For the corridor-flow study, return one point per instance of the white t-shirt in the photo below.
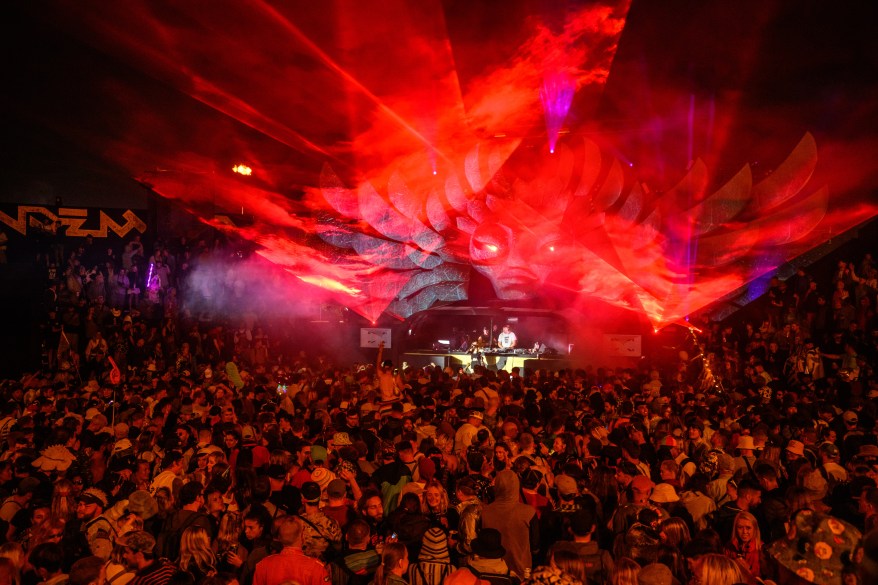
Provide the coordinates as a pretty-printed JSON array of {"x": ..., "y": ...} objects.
[{"x": 506, "y": 340}]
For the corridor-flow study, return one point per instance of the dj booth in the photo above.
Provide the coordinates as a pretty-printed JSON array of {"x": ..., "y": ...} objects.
[{"x": 462, "y": 359}]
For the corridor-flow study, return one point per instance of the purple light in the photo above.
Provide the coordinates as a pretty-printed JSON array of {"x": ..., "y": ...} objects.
[{"x": 556, "y": 96}]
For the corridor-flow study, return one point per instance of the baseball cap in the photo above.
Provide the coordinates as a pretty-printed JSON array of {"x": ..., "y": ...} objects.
[
  {"x": 850, "y": 417},
  {"x": 318, "y": 453},
  {"x": 337, "y": 488},
  {"x": 248, "y": 434},
  {"x": 566, "y": 485},
  {"x": 830, "y": 450},
  {"x": 668, "y": 441}
]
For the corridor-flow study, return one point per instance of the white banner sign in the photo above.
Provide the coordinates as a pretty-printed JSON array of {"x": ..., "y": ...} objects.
[
  {"x": 373, "y": 336},
  {"x": 622, "y": 345}
]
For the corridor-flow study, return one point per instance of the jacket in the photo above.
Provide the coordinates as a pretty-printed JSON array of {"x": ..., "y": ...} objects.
[{"x": 517, "y": 522}]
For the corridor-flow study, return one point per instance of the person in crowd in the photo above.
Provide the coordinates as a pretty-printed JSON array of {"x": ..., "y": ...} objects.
[
  {"x": 433, "y": 563},
  {"x": 139, "y": 556},
  {"x": 291, "y": 564},
  {"x": 394, "y": 565},
  {"x": 47, "y": 559},
  {"x": 517, "y": 522},
  {"x": 360, "y": 560}
]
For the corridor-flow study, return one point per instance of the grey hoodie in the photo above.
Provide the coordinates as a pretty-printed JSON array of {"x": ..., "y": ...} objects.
[{"x": 516, "y": 522}]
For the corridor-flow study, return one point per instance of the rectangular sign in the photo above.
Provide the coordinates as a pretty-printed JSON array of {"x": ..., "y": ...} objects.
[
  {"x": 373, "y": 336},
  {"x": 618, "y": 344}
]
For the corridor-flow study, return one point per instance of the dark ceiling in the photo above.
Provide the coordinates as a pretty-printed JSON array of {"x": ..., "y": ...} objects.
[{"x": 96, "y": 89}]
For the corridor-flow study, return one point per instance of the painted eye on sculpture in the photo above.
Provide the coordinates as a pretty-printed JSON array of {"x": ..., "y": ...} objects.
[
  {"x": 551, "y": 251},
  {"x": 489, "y": 244}
]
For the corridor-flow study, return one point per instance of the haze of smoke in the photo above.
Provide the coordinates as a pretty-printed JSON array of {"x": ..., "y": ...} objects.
[{"x": 234, "y": 286}]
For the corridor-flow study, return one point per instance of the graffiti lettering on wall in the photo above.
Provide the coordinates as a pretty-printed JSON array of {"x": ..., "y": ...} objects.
[{"x": 78, "y": 221}]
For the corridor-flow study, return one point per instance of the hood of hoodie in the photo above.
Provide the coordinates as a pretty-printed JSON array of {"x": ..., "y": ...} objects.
[{"x": 506, "y": 486}]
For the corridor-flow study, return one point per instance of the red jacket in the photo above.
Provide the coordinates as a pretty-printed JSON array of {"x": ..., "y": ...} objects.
[{"x": 290, "y": 564}]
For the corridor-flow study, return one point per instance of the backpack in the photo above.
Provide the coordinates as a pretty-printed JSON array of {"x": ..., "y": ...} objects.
[
  {"x": 417, "y": 575},
  {"x": 390, "y": 493},
  {"x": 341, "y": 574},
  {"x": 595, "y": 570},
  {"x": 171, "y": 545},
  {"x": 496, "y": 578}
]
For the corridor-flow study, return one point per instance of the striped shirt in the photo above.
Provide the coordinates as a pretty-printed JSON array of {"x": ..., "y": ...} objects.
[{"x": 159, "y": 572}]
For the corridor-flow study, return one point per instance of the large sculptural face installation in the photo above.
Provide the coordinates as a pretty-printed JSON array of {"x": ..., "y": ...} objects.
[{"x": 398, "y": 149}]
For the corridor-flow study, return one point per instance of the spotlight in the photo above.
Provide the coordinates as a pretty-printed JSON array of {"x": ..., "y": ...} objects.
[
  {"x": 551, "y": 151},
  {"x": 242, "y": 170}
]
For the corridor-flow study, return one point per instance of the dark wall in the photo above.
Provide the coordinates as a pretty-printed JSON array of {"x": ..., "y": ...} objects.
[{"x": 21, "y": 313}]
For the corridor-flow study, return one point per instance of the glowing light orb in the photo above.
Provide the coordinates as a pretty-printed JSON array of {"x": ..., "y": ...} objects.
[{"x": 242, "y": 170}]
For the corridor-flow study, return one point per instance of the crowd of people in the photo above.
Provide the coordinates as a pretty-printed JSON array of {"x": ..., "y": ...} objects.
[{"x": 158, "y": 446}]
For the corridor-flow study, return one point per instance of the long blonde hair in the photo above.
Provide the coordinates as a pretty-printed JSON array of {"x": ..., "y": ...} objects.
[
  {"x": 195, "y": 551},
  {"x": 393, "y": 553},
  {"x": 8, "y": 570},
  {"x": 569, "y": 562},
  {"x": 757, "y": 537},
  {"x": 443, "y": 498},
  {"x": 62, "y": 500},
  {"x": 14, "y": 553},
  {"x": 229, "y": 529},
  {"x": 721, "y": 570},
  {"x": 625, "y": 572}
]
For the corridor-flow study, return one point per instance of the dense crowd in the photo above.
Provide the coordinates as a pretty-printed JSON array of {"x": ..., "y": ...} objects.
[{"x": 161, "y": 446}]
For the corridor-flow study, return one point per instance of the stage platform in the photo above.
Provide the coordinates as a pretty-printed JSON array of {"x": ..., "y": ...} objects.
[{"x": 455, "y": 360}]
